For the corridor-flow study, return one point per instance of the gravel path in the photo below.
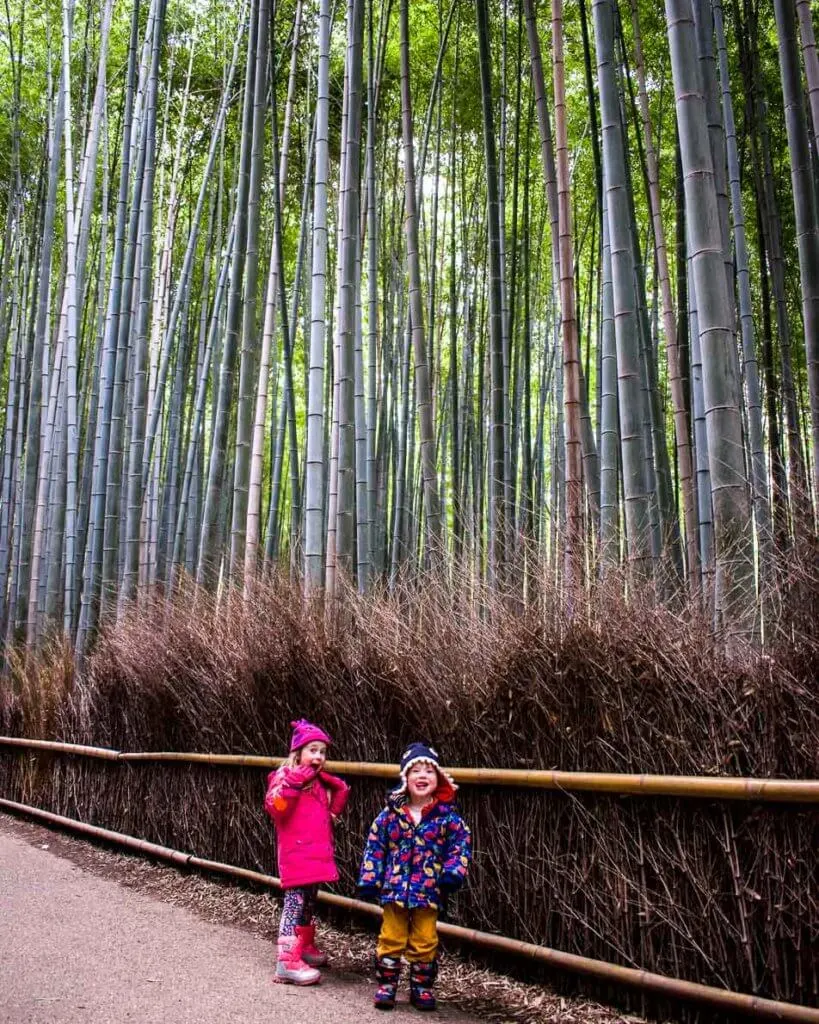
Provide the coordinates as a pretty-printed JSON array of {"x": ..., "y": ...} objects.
[{"x": 76, "y": 948}]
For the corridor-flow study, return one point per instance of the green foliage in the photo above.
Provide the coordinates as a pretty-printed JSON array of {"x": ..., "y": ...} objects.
[{"x": 445, "y": 84}]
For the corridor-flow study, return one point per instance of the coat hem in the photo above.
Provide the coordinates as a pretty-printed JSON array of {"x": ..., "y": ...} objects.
[{"x": 301, "y": 882}]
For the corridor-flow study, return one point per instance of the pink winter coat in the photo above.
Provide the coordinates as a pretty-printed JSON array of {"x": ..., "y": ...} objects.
[{"x": 301, "y": 804}]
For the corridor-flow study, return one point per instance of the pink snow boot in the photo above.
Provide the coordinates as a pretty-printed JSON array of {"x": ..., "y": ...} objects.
[
  {"x": 310, "y": 954},
  {"x": 290, "y": 968}
]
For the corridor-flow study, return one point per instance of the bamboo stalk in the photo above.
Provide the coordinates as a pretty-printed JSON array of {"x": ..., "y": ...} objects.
[
  {"x": 66, "y": 748},
  {"x": 647, "y": 981},
  {"x": 616, "y": 783},
  {"x": 230, "y": 760}
]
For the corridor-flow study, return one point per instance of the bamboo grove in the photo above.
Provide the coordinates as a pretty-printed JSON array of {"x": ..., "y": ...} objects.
[{"x": 370, "y": 290}]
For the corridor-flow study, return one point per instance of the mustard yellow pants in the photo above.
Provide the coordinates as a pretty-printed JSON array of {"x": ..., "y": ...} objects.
[{"x": 409, "y": 933}]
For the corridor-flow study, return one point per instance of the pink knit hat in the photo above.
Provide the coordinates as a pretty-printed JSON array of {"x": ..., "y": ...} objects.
[{"x": 305, "y": 732}]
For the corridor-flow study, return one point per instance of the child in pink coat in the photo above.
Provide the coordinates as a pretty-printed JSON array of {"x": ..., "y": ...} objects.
[{"x": 303, "y": 800}]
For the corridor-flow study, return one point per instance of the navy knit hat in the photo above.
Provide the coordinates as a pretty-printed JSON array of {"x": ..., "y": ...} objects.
[{"x": 415, "y": 754}]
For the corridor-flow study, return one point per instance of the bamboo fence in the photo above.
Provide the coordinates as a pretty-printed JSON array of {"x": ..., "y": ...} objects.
[{"x": 647, "y": 981}]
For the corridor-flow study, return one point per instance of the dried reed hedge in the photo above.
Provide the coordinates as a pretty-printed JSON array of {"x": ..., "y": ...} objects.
[{"x": 720, "y": 893}]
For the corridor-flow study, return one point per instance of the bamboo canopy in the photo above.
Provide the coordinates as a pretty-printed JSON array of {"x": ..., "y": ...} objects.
[
  {"x": 648, "y": 981},
  {"x": 701, "y": 787}
]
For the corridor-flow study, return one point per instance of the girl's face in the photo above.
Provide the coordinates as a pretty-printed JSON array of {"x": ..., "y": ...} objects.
[
  {"x": 314, "y": 755},
  {"x": 422, "y": 781}
]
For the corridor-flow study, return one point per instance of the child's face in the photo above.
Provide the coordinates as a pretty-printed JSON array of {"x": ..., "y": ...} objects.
[
  {"x": 314, "y": 755},
  {"x": 422, "y": 780}
]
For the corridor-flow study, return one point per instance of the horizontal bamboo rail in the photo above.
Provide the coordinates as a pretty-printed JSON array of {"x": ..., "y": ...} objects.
[
  {"x": 703, "y": 787},
  {"x": 647, "y": 981},
  {"x": 61, "y": 748}
]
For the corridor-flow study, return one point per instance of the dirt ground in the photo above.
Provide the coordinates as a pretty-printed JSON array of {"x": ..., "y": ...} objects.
[{"x": 90, "y": 935}]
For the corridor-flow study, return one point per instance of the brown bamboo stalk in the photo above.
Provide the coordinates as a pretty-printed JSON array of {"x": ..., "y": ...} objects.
[
  {"x": 647, "y": 981},
  {"x": 703, "y": 787},
  {"x": 573, "y": 552},
  {"x": 66, "y": 748},
  {"x": 231, "y": 760}
]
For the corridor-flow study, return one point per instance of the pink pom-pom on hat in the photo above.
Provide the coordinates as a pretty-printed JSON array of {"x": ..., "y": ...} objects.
[{"x": 305, "y": 732}]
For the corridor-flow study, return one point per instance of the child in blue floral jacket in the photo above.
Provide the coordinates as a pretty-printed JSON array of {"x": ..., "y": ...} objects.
[{"x": 417, "y": 852}]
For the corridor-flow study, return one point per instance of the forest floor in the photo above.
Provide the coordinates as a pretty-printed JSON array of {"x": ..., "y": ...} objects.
[{"x": 94, "y": 936}]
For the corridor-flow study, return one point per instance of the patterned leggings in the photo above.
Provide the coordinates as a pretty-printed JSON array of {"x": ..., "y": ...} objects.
[{"x": 299, "y": 906}]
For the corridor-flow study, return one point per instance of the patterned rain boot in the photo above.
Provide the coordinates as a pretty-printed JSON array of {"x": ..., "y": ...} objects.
[
  {"x": 387, "y": 971},
  {"x": 422, "y": 978},
  {"x": 310, "y": 954},
  {"x": 290, "y": 968}
]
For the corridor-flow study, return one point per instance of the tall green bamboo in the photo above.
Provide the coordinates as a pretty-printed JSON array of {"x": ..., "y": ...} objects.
[
  {"x": 681, "y": 424},
  {"x": 631, "y": 395},
  {"x": 247, "y": 362},
  {"x": 609, "y": 432},
  {"x": 451, "y": 415},
  {"x": 759, "y": 474},
  {"x": 573, "y": 555},
  {"x": 804, "y": 203},
  {"x": 39, "y": 369},
  {"x": 72, "y": 427},
  {"x": 423, "y": 390},
  {"x": 734, "y": 583},
  {"x": 811, "y": 59},
  {"x": 498, "y": 513},
  {"x": 91, "y": 588},
  {"x": 314, "y": 482},
  {"x": 140, "y": 357},
  {"x": 345, "y": 510},
  {"x": 209, "y": 542}
]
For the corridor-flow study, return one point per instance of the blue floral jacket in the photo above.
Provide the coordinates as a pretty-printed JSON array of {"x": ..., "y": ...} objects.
[{"x": 408, "y": 864}]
